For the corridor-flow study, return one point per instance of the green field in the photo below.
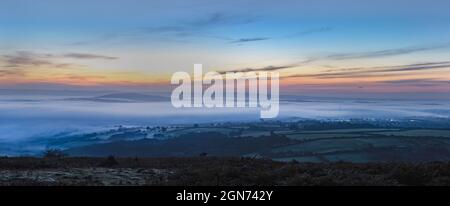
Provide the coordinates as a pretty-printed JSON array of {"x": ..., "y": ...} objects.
[
  {"x": 365, "y": 145},
  {"x": 417, "y": 133}
]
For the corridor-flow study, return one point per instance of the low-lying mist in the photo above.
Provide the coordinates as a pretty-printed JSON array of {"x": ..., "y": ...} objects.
[{"x": 26, "y": 118}]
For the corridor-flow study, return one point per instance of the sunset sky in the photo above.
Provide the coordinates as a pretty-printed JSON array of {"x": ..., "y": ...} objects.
[{"x": 316, "y": 45}]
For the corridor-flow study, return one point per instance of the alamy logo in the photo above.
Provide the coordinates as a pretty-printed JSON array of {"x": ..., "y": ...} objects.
[{"x": 241, "y": 89}]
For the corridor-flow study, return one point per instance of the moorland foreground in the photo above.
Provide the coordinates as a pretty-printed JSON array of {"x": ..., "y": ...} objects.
[{"x": 223, "y": 171}]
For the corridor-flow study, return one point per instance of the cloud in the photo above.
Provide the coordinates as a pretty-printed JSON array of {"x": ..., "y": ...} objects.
[
  {"x": 18, "y": 63},
  {"x": 88, "y": 56},
  {"x": 416, "y": 67},
  {"x": 294, "y": 35},
  {"x": 11, "y": 72},
  {"x": 424, "y": 82},
  {"x": 244, "y": 40},
  {"x": 198, "y": 27},
  {"x": 307, "y": 32},
  {"x": 27, "y": 58},
  {"x": 268, "y": 68},
  {"x": 374, "y": 71},
  {"x": 164, "y": 29},
  {"x": 101, "y": 38},
  {"x": 385, "y": 53},
  {"x": 358, "y": 71},
  {"x": 416, "y": 81},
  {"x": 218, "y": 18},
  {"x": 85, "y": 78}
]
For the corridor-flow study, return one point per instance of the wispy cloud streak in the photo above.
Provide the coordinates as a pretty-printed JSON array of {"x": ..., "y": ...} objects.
[
  {"x": 27, "y": 58},
  {"x": 385, "y": 53},
  {"x": 244, "y": 40},
  {"x": 268, "y": 68},
  {"x": 371, "y": 71},
  {"x": 294, "y": 35},
  {"x": 13, "y": 64},
  {"x": 88, "y": 56}
]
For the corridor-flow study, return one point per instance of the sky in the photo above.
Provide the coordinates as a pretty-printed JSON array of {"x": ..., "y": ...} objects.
[{"x": 318, "y": 46}]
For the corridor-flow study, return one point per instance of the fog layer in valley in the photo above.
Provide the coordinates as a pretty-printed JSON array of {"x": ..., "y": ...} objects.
[{"x": 26, "y": 117}]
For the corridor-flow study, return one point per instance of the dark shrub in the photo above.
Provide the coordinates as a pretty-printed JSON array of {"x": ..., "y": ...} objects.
[
  {"x": 109, "y": 162},
  {"x": 411, "y": 175},
  {"x": 54, "y": 153}
]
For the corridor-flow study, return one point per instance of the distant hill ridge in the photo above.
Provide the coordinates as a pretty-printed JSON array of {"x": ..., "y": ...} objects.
[
  {"x": 124, "y": 97},
  {"x": 133, "y": 96}
]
